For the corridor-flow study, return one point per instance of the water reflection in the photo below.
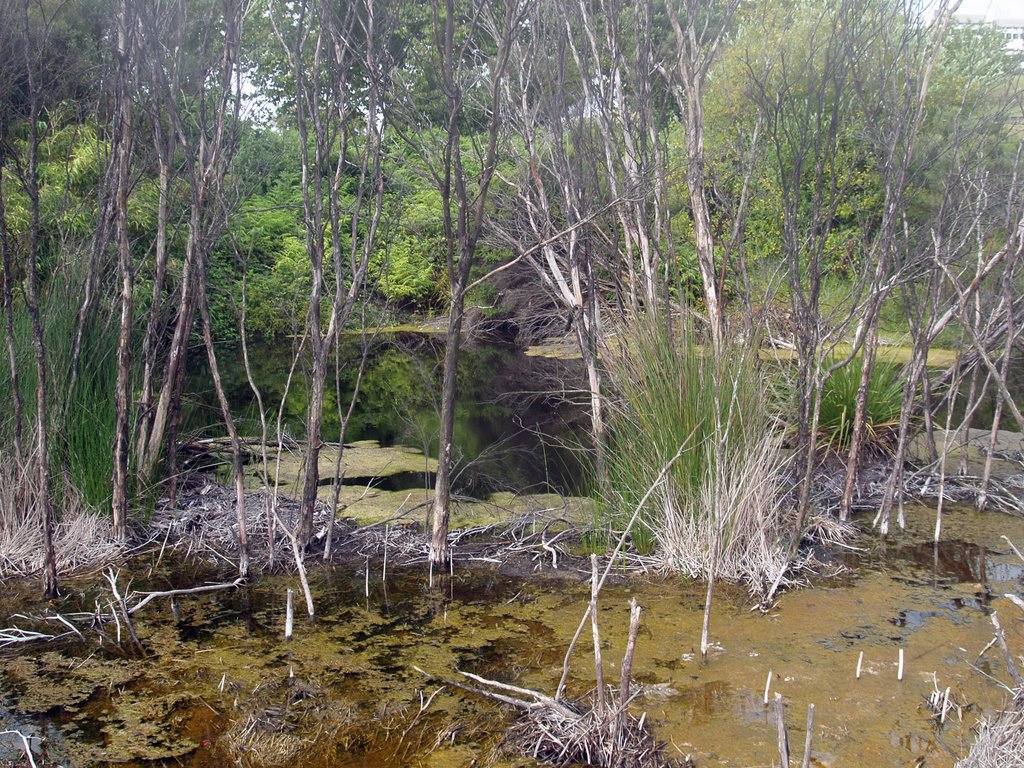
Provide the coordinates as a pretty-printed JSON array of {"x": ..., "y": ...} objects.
[{"x": 511, "y": 433}]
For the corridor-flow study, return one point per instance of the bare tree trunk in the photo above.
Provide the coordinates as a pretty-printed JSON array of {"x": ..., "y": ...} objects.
[
  {"x": 8, "y": 299},
  {"x": 122, "y": 148},
  {"x": 440, "y": 509},
  {"x": 703, "y": 242},
  {"x": 697, "y": 39},
  {"x": 207, "y": 142},
  {"x": 965, "y": 435},
  {"x": 164, "y": 144},
  {"x": 926, "y": 408},
  {"x": 237, "y": 459},
  {"x": 859, "y": 418},
  {"x": 174, "y": 369},
  {"x": 462, "y": 234},
  {"x": 1004, "y": 371},
  {"x": 268, "y": 509}
]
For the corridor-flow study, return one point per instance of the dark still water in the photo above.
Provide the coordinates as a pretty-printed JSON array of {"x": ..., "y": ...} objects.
[{"x": 516, "y": 427}]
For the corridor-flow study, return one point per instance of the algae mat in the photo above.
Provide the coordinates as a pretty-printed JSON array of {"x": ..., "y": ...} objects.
[{"x": 220, "y": 686}]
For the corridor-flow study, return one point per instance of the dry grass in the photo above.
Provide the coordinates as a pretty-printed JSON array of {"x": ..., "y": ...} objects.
[
  {"x": 82, "y": 538},
  {"x": 741, "y": 533},
  {"x": 1000, "y": 742}
]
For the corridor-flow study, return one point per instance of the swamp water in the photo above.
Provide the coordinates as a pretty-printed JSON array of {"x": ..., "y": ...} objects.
[
  {"x": 514, "y": 419},
  {"x": 219, "y": 685}
]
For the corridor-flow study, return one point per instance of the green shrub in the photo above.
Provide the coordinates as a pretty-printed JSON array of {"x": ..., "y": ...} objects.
[{"x": 839, "y": 404}]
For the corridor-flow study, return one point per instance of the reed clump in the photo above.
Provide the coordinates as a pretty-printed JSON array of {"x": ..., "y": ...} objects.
[
  {"x": 721, "y": 513},
  {"x": 839, "y": 404},
  {"x": 82, "y": 537},
  {"x": 80, "y": 421},
  {"x": 80, "y": 407}
]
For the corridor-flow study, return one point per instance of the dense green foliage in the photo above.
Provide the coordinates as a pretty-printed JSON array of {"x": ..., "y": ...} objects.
[{"x": 839, "y": 398}]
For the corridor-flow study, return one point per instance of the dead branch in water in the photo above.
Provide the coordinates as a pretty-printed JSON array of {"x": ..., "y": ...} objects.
[
  {"x": 122, "y": 607},
  {"x": 566, "y": 734},
  {"x": 563, "y": 733},
  {"x": 146, "y": 597}
]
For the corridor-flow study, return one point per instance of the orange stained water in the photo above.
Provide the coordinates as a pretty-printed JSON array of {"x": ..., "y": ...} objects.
[{"x": 361, "y": 696}]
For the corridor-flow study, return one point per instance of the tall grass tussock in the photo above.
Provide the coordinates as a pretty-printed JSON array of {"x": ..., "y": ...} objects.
[
  {"x": 839, "y": 404},
  {"x": 721, "y": 511},
  {"x": 81, "y": 424}
]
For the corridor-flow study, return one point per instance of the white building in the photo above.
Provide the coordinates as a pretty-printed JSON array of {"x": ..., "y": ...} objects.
[
  {"x": 1012, "y": 28},
  {"x": 1014, "y": 32}
]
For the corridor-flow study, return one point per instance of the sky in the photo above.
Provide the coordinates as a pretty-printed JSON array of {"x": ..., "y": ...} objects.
[{"x": 994, "y": 9}]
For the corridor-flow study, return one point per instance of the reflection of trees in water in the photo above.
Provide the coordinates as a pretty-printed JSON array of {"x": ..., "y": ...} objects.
[
  {"x": 511, "y": 432},
  {"x": 962, "y": 561}
]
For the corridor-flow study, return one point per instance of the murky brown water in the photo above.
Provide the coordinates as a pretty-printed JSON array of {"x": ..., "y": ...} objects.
[{"x": 220, "y": 685}]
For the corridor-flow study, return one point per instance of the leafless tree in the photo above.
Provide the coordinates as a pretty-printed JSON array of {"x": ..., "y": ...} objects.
[
  {"x": 328, "y": 50},
  {"x": 806, "y": 101},
  {"x": 205, "y": 124},
  {"x": 555, "y": 197},
  {"x": 699, "y": 26},
  {"x": 611, "y": 47},
  {"x": 461, "y": 167},
  {"x": 892, "y": 85},
  {"x": 949, "y": 264},
  {"x": 169, "y": 28}
]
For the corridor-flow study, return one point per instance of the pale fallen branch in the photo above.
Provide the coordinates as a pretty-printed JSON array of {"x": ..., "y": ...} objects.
[
  {"x": 15, "y": 635},
  {"x": 148, "y": 597},
  {"x": 24, "y": 744}
]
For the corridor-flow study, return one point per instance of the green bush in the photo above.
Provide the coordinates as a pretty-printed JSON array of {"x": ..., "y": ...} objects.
[{"x": 839, "y": 404}]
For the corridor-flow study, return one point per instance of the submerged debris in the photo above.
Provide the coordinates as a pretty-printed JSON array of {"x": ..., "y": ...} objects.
[{"x": 280, "y": 719}]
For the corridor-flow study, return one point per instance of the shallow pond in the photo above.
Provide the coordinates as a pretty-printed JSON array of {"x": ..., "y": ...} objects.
[
  {"x": 514, "y": 423},
  {"x": 219, "y": 684}
]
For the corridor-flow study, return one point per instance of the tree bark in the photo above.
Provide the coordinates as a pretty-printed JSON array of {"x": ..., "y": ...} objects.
[
  {"x": 440, "y": 510},
  {"x": 122, "y": 147},
  {"x": 8, "y": 299}
]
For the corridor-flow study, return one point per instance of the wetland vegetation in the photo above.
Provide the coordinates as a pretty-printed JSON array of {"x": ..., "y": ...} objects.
[{"x": 502, "y": 382}]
